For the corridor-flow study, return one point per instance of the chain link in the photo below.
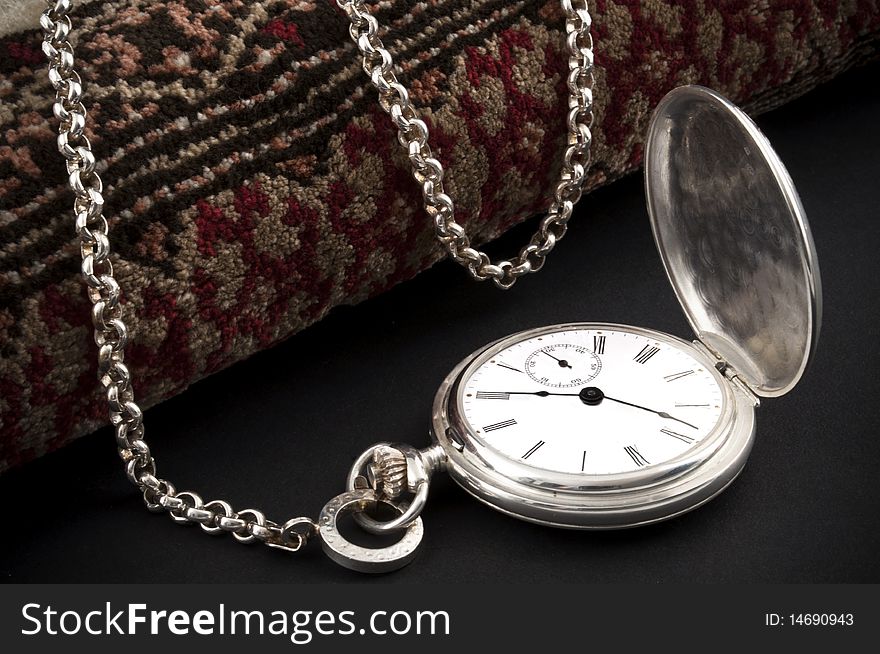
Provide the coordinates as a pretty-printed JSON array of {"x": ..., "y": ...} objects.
[
  {"x": 428, "y": 171},
  {"x": 111, "y": 334}
]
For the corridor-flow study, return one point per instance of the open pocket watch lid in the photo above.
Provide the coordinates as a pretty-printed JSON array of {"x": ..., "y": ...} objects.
[{"x": 733, "y": 237}]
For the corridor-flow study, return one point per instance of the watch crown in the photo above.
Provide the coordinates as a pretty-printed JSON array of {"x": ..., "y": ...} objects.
[{"x": 387, "y": 472}]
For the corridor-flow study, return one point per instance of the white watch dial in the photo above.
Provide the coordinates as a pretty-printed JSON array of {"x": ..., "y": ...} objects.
[{"x": 592, "y": 401}]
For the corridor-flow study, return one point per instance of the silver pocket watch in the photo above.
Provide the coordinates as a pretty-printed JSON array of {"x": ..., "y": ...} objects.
[{"x": 602, "y": 426}]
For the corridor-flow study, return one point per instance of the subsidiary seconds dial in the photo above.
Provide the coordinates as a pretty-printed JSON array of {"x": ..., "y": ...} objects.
[{"x": 563, "y": 365}]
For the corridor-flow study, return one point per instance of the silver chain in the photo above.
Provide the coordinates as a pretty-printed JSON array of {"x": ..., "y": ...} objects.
[
  {"x": 111, "y": 333},
  {"x": 428, "y": 172}
]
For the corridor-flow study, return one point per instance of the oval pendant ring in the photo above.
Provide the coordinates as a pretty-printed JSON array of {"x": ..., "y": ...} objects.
[{"x": 356, "y": 557}]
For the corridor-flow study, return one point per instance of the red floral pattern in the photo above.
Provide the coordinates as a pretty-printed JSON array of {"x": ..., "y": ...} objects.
[{"x": 253, "y": 183}]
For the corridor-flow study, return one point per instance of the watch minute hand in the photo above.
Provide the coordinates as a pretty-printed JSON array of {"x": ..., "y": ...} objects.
[{"x": 662, "y": 414}]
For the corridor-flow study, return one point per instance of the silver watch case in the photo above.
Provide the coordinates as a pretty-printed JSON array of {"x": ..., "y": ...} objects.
[
  {"x": 737, "y": 249},
  {"x": 594, "y": 501}
]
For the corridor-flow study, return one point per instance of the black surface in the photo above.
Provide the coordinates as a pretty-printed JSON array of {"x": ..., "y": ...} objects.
[{"x": 280, "y": 431}]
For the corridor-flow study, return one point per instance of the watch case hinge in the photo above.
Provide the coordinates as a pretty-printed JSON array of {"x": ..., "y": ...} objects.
[{"x": 729, "y": 373}]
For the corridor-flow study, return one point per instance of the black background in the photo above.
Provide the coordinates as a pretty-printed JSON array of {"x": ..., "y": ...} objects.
[{"x": 280, "y": 430}]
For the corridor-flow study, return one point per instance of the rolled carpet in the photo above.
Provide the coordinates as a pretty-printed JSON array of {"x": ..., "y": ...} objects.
[{"x": 252, "y": 182}]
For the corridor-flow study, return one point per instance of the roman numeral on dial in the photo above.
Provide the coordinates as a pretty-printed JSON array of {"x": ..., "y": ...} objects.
[
  {"x": 500, "y": 425},
  {"x": 599, "y": 344},
  {"x": 646, "y": 353},
  {"x": 492, "y": 395},
  {"x": 675, "y": 434},
  {"x": 637, "y": 458},
  {"x": 678, "y": 375},
  {"x": 533, "y": 449}
]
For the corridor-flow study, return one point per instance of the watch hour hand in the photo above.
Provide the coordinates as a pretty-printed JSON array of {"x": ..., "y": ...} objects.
[
  {"x": 589, "y": 395},
  {"x": 504, "y": 395}
]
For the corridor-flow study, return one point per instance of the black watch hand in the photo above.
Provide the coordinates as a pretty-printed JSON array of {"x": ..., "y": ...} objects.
[
  {"x": 662, "y": 414},
  {"x": 590, "y": 396},
  {"x": 538, "y": 393},
  {"x": 562, "y": 362}
]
